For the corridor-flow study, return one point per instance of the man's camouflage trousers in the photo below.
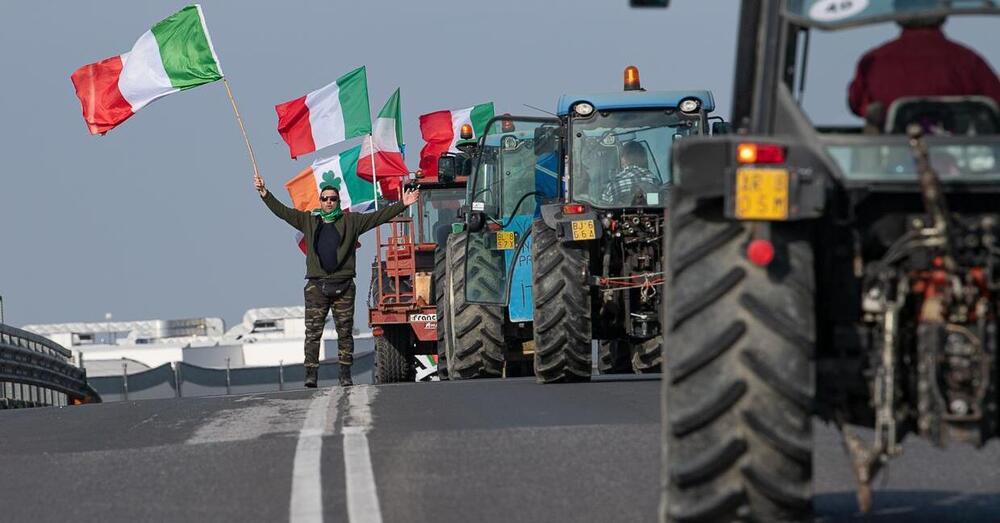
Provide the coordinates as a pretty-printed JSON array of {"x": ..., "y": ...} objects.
[{"x": 321, "y": 296}]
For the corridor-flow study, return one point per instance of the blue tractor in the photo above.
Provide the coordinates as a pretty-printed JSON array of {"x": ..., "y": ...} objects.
[
  {"x": 485, "y": 324},
  {"x": 584, "y": 209}
]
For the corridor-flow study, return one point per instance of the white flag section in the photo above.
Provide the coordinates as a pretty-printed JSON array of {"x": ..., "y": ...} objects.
[{"x": 341, "y": 171}]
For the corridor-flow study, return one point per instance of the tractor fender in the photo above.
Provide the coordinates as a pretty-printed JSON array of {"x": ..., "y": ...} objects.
[{"x": 553, "y": 217}]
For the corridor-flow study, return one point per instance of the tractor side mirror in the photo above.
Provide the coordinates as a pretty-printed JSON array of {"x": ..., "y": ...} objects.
[
  {"x": 447, "y": 167},
  {"x": 722, "y": 127},
  {"x": 476, "y": 220}
]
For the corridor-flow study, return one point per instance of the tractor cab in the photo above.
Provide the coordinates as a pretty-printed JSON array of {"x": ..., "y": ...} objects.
[{"x": 619, "y": 144}]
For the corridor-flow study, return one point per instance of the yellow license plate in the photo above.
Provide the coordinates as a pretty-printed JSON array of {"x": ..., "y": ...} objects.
[
  {"x": 505, "y": 240},
  {"x": 584, "y": 230},
  {"x": 762, "y": 194}
]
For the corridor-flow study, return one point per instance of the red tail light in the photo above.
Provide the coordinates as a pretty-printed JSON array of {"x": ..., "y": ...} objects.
[
  {"x": 760, "y": 153},
  {"x": 760, "y": 252},
  {"x": 573, "y": 208}
]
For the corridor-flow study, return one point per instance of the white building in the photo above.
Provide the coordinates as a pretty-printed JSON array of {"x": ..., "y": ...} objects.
[{"x": 266, "y": 337}]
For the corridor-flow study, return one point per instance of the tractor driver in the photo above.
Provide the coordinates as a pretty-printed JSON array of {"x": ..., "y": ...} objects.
[
  {"x": 634, "y": 178},
  {"x": 920, "y": 62}
]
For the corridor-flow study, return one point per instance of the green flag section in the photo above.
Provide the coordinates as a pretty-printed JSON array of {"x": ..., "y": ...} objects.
[
  {"x": 340, "y": 171},
  {"x": 174, "y": 55},
  {"x": 327, "y": 116},
  {"x": 381, "y": 156}
]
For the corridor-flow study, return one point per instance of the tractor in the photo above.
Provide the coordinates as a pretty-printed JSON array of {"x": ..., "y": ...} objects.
[
  {"x": 405, "y": 302},
  {"x": 484, "y": 336},
  {"x": 595, "y": 234},
  {"x": 844, "y": 272}
]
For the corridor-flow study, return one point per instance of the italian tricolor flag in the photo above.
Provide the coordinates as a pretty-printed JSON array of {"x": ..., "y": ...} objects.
[
  {"x": 326, "y": 116},
  {"x": 174, "y": 55},
  {"x": 340, "y": 171},
  {"x": 442, "y": 130},
  {"x": 385, "y": 146}
]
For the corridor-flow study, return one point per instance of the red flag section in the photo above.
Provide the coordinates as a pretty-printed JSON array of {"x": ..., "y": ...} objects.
[{"x": 436, "y": 129}]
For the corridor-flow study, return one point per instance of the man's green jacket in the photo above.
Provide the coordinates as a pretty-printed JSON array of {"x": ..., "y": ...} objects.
[{"x": 350, "y": 226}]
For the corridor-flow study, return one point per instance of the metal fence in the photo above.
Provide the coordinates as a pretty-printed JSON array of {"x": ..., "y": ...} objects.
[
  {"x": 36, "y": 372},
  {"x": 185, "y": 380}
]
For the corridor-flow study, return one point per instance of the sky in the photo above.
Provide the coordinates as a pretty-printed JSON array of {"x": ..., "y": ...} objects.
[{"x": 159, "y": 220}]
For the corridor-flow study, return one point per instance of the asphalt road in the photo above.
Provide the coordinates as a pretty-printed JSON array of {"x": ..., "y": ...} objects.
[{"x": 462, "y": 451}]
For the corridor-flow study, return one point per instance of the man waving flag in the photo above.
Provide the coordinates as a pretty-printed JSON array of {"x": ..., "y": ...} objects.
[
  {"x": 384, "y": 145},
  {"x": 176, "y": 54}
]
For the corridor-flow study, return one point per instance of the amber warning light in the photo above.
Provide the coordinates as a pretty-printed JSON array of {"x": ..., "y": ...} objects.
[
  {"x": 466, "y": 132},
  {"x": 632, "y": 78}
]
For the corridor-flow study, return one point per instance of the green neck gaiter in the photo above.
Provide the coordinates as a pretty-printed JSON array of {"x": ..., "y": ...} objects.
[{"x": 331, "y": 216}]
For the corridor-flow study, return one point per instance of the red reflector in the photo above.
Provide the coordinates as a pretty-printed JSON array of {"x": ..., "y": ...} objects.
[
  {"x": 573, "y": 208},
  {"x": 377, "y": 331},
  {"x": 760, "y": 252},
  {"x": 760, "y": 153}
]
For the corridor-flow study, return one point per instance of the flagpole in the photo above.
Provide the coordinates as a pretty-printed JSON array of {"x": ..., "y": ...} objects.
[
  {"x": 371, "y": 143},
  {"x": 253, "y": 160}
]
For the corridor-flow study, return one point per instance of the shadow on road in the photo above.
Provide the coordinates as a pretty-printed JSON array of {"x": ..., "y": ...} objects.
[{"x": 911, "y": 506}]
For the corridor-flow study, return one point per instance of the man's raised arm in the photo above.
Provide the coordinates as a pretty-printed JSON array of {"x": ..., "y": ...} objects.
[
  {"x": 294, "y": 217},
  {"x": 371, "y": 220}
]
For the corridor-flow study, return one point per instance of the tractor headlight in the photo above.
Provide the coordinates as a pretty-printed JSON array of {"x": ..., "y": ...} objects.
[
  {"x": 583, "y": 109},
  {"x": 690, "y": 105}
]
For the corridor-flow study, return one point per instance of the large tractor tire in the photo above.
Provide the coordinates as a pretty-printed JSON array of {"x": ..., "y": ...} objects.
[
  {"x": 647, "y": 356},
  {"x": 562, "y": 307},
  {"x": 394, "y": 355},
  {"x": 613, "y": 357},
  {"x": 739, "y": 379},
  {"x": 474, "y": 332},
  {"x": 440, "y": 302}
]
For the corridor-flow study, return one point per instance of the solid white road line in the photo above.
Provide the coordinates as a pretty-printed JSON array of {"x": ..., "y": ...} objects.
[
  {"x": 306, "y": 505},
  {"x": 362, "y": 497}
]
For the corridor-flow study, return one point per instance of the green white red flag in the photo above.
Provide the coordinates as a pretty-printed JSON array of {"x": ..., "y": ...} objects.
[
  {"x": 326, "y": 116},
  {"x": 176, "y": 54},
  {"x": 340, "y": 171},
  {"x": 441, "y": 130},
  {"x": 384, "y": 145}
]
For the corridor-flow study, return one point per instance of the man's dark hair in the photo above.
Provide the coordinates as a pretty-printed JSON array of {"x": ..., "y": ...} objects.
[
  {"x": 633, "y": 153},
  {"x": 327, "y": 187},
  {"x": 921, "y": 22}
]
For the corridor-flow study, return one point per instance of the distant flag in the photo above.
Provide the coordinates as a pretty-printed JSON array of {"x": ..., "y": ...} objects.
[
  {"x": 339, "y": 170},
  {"x": 441, "y": 132},
  {"x": 387, "y": 138},
  {"x": 327, "y": 116},
  {"x": 176, "y": 54}
]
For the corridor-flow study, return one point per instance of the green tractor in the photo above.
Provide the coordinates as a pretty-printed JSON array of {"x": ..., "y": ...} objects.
[{"x": 844, "y": 272}]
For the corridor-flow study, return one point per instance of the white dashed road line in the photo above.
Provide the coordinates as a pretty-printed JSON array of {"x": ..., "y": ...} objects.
[{"x": 307, "y": 488}]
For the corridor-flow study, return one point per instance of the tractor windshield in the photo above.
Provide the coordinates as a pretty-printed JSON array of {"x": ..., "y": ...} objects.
[
  {"x": 439, "y": 209},
  {"x": 515, "y": 169},
  {"x": 622, "y": 158},
  {"x": 517, "y": 166}
]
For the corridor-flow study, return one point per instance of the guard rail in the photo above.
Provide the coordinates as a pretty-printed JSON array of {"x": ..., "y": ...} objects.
[{"x": 36, "y": 372}]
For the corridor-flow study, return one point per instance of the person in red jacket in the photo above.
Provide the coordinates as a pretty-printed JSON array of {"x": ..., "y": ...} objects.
[{"x": 920, "y": 62}]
